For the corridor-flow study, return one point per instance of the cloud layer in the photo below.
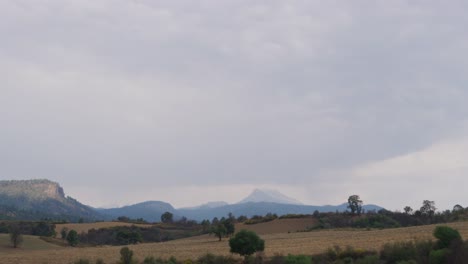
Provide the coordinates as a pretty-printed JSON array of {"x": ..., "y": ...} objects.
[{"x": 141, "y": 97}]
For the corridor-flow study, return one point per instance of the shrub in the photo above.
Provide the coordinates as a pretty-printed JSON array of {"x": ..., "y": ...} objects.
[
  {"x": 126, "y": 256},
  {"x": 438, "y": 256},
  {"x": 446, "y": 235},
  {"x": 398, "y": 251},
  {"x": 298, "y": 259}
]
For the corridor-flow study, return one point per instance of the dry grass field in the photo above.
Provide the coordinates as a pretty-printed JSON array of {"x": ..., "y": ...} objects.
[{"x": 275, "y": 243}]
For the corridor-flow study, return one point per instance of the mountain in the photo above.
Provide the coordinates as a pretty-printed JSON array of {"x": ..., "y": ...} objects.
[
  {"x": 37, "y": 199},
  {"x": 150, "y": 211},
  {"x": 207, "y": 205},
  {"x": 262, "y": 208},
  {"x": 268, "y": 196}
]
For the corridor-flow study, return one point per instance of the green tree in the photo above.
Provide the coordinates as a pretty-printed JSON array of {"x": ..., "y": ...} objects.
[
  {"x": 355, "y": 204},
  {"x": 72, "y": 238},
  {"x": 219, "y": 230},
  {"x": 446, "y": 235},
  {"x": 229, "y": 225},
  {"x": 16, "y": 238},
  {"x": 167, "y": 217},
  {"x": 245, "y": 243}
]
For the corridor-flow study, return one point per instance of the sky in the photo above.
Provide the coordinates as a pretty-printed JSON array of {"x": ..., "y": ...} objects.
[{"x": 123, "y": 101}]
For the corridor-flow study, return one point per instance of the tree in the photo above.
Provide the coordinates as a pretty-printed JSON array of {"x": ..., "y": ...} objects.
[
  {"x": 446, "y": 235},
  {"x": 16, "y": 238},
  {"x": 167, "y": 217},
  {"x": 72, "y": 238},
  {"x": 126, "y": 256},
  {"x": 63, "y": 233},
  {"x": 229, "y": 225},
  {"x": 219, "y": 230},
  {"x": 457, "y": 208},
  {"x": 408, "y": 210},
  {"x": 355, "y": 204},
  {"x": 428, "y": 208},
  {"x": 245, "y": 243}
]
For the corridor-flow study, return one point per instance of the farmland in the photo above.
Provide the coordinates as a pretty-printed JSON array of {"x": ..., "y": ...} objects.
[{"x": 276, "y": 243}]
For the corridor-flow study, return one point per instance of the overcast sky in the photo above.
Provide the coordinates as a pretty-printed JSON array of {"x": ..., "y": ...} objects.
[{"x": 122, "y": 101}]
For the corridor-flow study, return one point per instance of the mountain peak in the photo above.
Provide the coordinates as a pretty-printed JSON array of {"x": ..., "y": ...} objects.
[
  {"x": 38, "y": 189},
  {"x": 270, "y": 196}
]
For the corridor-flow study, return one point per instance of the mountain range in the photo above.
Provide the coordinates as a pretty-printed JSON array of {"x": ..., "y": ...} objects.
[{"x": 38, "y": 199}]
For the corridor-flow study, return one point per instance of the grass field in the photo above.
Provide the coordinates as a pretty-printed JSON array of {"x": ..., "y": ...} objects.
[
  {"x": 29, "y": 243},
  {"x": 275, "y": 243}
]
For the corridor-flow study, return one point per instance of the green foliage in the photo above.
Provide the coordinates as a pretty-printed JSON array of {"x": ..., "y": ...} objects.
[
  {"x": 417, "y": 251},
  {"x": 126, "y": 256},
  {"x": 125, "y": 237},
  {"x": 375, "y": 221},
  {"x": 72, "y": 238},
  {"x": 298, "y": 259},
  {"x": 446, "y": 235},
  {"x": 219, "y": 230},
  {"x": 245, "y": 243},
  {"x": 438, "y": 256}
]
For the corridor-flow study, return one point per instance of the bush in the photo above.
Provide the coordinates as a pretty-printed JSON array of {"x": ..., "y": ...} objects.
[
  {"x": 398, "y": 251},
  {"x": 438, "y": 256},
  {"x": 126, "y": 256},
  {"x": 298, "y": 259},
  {"x": 446, "y": 235}
]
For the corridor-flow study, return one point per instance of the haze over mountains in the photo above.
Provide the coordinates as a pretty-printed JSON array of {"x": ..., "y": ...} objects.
[{"x": 38, "y": 199}]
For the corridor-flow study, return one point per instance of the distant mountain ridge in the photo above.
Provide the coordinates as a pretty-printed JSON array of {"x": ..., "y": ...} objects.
[
  {"x": 39, "y": 199},
  {"x": 35, "y": 199}
]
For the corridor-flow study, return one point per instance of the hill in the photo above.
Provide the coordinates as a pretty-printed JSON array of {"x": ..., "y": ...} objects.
[
  {"x": 39, "y": 199},
  {"x": 149, "y": 210}
]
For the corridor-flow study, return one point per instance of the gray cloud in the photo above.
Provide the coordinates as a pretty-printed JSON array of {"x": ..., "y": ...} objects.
[{"x": 224, "y": 92}]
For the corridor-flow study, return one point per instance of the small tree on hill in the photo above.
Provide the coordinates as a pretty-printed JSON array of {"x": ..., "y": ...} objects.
[
  {"x": 72, "y": 238},
  {"x": 16, "y": 238},
  {"x": 245, "y": 243}
]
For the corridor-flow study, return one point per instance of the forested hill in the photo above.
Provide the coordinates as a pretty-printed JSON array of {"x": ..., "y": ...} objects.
[{"x": 38, "y": 199}]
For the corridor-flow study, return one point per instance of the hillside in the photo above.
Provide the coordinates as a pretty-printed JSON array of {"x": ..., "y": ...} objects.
[
  {"x": 149, "y": 210},
  {"x": 38, "y": 199}
]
